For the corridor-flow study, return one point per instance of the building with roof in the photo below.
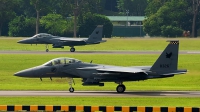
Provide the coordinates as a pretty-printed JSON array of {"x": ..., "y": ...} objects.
[
  {"x": 123, "y": 20},
  {"x": 127, "y": 26}
]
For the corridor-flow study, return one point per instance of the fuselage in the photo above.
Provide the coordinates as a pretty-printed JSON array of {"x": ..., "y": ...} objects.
[
  {"x": 53, "y": 40},
  {"x": 87, "y": 71},
  {"x": 58, "y": 41}
]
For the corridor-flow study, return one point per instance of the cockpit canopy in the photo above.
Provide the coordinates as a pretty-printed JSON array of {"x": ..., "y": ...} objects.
[
  {"x": 58, "y": 61},
  {"x": 41, "y": 35}
]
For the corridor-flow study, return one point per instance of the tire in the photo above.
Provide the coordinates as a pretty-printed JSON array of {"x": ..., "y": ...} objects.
[
  {"x": 72, "y": 49},
  {"x": 120, "y": 88},
  {"x": 47, "y": 50},
  {"x": 71, "y": 90}
]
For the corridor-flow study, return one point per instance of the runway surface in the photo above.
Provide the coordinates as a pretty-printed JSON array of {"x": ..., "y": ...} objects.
[
  {"x": 103, "y": 93},
  {"x": 93, "y": 52}
]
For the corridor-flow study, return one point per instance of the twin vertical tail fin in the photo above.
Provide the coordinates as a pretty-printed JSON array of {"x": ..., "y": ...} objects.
[
  {"x": 96, "y": 36},
  {"x": 168, "y": 60}
]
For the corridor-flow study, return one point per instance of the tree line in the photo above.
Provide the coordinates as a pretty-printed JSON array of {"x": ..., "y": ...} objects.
[
  {"x": 80, "y": 17},
  {"x": 171, "y": 18},
  {"x": 58, "y": 17}
]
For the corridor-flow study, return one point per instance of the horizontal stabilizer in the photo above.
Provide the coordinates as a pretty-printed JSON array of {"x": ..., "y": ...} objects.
[
  {"x": 175, "y": 72},
  {"x": 97, "y": 42}
]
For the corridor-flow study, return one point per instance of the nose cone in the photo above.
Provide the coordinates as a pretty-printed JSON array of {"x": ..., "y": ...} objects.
[
  {"x": 26, "y": 41},
  {"x": 20, "y": 74},
  {"x": 24, "y": 73}
]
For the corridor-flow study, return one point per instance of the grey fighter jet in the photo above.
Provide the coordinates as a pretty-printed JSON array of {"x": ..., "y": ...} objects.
[
  {"x": 60, "y": 42},
  {"x": 96, "y": 74}
]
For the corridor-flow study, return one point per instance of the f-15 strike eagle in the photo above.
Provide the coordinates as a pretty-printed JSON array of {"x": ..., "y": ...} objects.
[
  {"x": 95, "y": 74},
  {"x": 60, "y": 42}
]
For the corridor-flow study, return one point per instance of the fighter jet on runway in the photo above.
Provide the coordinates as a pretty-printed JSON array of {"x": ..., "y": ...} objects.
[
  {"x": 60, "y": 42},
  {"x": 95, "y": 74}
]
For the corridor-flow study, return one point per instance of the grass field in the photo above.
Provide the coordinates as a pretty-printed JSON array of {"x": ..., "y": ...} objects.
[
  {"x": 13, "y": 63},
  {"x": 107, "y": 101},
  {"x": 111, "y": 44}
]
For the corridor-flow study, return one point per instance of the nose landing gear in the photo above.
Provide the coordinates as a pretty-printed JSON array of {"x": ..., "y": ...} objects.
[
  {"x": 71, "y": 89},
  {"x": 47, "y": 48}
]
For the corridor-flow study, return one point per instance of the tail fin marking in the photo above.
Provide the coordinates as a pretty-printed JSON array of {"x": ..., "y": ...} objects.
[
  {"x": 168, "y": 59},
  {"x": 96, "y": 35}
]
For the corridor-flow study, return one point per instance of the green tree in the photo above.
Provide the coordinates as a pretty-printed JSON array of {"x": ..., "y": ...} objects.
[
  {"x": 56, "y": 24},
  {"x": 173, "y": 12},
  {"x": 135, "y": 7},
  {"x": 190, "y": 21},
  {"x": 195, "y": 12},
  {"x": 77, "y": 8},
  {"x": 168, "y": 17},
  {"x": 171, "y": 31},
  {"x": 26, "y": 9},
  {"x": 152, "y": 25},
  {"x": 152, "y": 7},
  {"x": 91, "y": 21},
  {"x": 39, "y": 5},
  {"x": 21, "y": 26},
  {"x": 7, "y": 11}
]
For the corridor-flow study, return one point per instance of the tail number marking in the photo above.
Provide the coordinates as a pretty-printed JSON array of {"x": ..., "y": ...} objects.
[{"x": 164, "y": 65}]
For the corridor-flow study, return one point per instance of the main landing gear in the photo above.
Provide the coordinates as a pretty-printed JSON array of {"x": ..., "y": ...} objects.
[
  {"x": 71, "y": 89},
  {"x": 47, "y": 48},
  {"x": 72, "y": 49},
  {"x": 120, "y": 88}
]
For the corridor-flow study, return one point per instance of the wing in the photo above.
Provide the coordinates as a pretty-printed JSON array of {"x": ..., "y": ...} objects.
[
  {"x": 114, "y": 70},
  {"x": 120, "y": 70},
  {"x": 69, "y": 39},
  {"x": 104, "y": 73}
]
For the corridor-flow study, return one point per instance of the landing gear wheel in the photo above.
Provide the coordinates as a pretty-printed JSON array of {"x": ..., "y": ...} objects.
[
  {"x": 120, "y": 88},
  {"x": 72, "y": 49},
  {"x": 71, "y": 90},
  {"x": 47, "y": 47}
]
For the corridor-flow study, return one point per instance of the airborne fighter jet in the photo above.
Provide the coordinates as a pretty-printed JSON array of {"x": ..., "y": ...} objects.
[
  {"x": 95, "y": 74},
  {"x": 60, "y": 42}
]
